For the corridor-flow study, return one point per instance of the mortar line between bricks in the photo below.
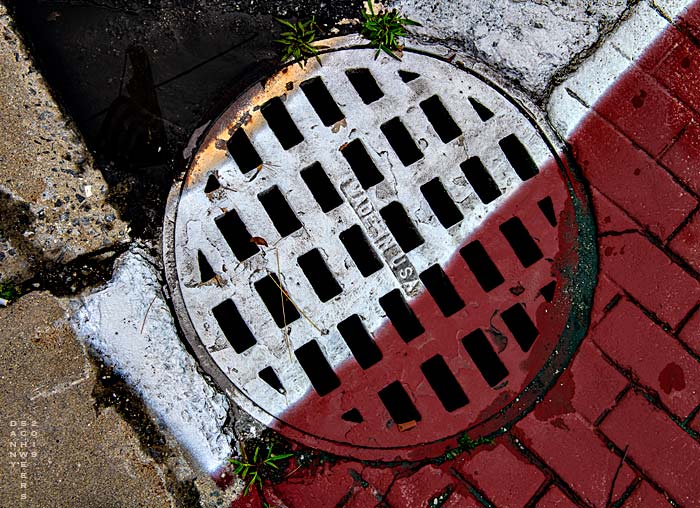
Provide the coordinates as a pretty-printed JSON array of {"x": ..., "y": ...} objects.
[
  {"x": 537, "y": 496},
  {"x": 649, "y": 393},
  {"x": 538, "y": 462},
  {"x": 611, "y": 304},
  {"x": 616, "y": 401},
  {"x": 383, "y": 503},
  {"x": 656, "y": 241},
  {"x": 627, "y": 493},
  {"x": 561, "y": 75},
  {"x": 636, "y": 145},
  {"x": 683, "y": 322},
  {"x": 662, "y": 13},
  {"x": 668, "y": 329},
  {"x": 694, "y": 40},
  {"x": 478, "y": 494},
  {"x": 678, "y": 136},
  {"x": 633, "y": 465},
  {"x": 576, "y": 97},
  {"x": 622, "y": 232},
  {"x": 685, "y": 33},
  {"x": 347, "y": 497},
  {"x": 691, "y": 416},
  {"x": 678, "y": 229}
]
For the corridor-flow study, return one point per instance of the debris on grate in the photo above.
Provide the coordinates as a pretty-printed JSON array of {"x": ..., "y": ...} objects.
[{"x": 403, "y": 204}]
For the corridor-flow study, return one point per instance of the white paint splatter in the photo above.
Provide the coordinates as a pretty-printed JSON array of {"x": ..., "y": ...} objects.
[{"x": 129, "y": 325}]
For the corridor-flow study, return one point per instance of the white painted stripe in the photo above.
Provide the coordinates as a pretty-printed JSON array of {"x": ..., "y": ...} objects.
[{"x": 571, "y": 100}]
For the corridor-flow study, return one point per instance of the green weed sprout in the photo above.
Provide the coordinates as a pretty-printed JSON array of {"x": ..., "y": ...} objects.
[
  {"x": 384, "y": 29},
  {"x": 8, "y": 291},
  {"x": 298, "y": 40},
  {"x": 252, "y": 471}
]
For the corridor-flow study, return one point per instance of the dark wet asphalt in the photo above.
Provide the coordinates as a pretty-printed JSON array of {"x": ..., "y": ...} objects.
[{"x": 139, "y": 76}]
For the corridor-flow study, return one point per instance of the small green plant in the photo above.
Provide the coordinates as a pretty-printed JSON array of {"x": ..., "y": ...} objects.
[
  {"x": 253, "y": 470},
  {"x": 8, "y": 291},
  {"x": 467, "y": 444},
  {"x": 383, "y": 29},
  {"x": 298, "y": 40},
  {"x": 464, "y": 444}
]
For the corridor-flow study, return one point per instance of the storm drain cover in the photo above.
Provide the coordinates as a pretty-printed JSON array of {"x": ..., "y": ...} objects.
[{"x": 376, "y": 256}]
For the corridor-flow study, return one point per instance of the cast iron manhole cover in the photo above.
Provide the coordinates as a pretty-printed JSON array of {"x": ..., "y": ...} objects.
[{"x": 375, "y": 256}]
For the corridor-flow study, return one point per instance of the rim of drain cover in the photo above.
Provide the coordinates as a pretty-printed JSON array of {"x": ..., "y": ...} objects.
[{"x": 373, "y": 257}]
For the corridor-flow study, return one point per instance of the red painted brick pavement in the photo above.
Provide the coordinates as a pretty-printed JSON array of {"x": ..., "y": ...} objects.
[{"x": 633, "y": 390}]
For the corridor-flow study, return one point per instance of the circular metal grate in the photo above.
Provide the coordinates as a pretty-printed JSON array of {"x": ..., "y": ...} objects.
[{"x": 374, "y": 256}]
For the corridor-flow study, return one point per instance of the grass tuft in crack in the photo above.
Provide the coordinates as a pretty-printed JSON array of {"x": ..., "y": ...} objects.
[
  {"x": 261, "y": 464},
  {"x": 383, "y": 29},
  {"x": 9, "y": 292},
  {"x": 298, "y": 40},
  {"x": 465, "y": 444}
]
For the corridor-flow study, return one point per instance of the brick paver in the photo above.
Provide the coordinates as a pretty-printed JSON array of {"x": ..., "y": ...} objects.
[
  {"x": 506, "y": 477},
  {"x": 628, "y": 337},
  {"x": 650, "y": 276},
  {"x": 663, "y": 451},
  {"x": 570, "y": 446},
  {"x": 554, "y": 498}
]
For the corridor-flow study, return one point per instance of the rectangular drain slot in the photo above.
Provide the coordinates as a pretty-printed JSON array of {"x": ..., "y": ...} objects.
[
  {"x": 401, "y": 226},
  {"x": 236, "y": 235},
  {"x": 360, "y": 342},
  {"x": 322, "y": 101},
  {"x": 317, "y": 368},
  {"x": 524, "y": 246},
  {"x": 316, "y": 270},
  {"x": 401, "y": 315},
  {"x": 485, "y": 358},
  {"x": 441, "y": 203},
  {"x": 520, "y": 325},
  {"x": 361, "y": 164},
  {"x": 360, "y": 250},
  {"x": 365, "y": 85},
  {"x": 233, "y": 326},
  {"x": 243, "y": 152},
  {"x": 321, "y": 187},
  {"x": 398, "y": 403},
  {"x": 441, "y": 289},
  {"x": 280, "y": 307},
  {"x": 440, "y": 119},
  {"x": 444, "y": 383},
  {"x": 480, "y": 180},
  {"x": 279, "y": 211},
  {"x": 401, "y": 141},
  {"x": 281, "y": 123},
  {"x": 518, "y": 157},
  {"x": 546, "y": 206},
  {"x": 487, "y": 274}
]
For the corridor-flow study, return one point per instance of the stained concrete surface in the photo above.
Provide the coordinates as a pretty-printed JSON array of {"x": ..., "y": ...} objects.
[
  {"x": 52, "y": 199},
  {"x": 78, "y": 456},
  {"x": 534, "y": 43},
  {"x": 81, "y": 444}
]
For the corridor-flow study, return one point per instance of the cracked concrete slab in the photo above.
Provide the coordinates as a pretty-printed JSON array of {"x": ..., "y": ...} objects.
[
  {"x": 57, "y": 450},
  {"x": 529, "y": 41},
  {"x": 52, "y": 199},
  {"x": 129, "y": 325}
]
